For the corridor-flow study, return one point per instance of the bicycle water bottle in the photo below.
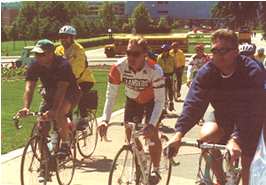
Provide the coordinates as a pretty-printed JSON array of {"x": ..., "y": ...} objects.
[
  {"x": 54, "y": 138},
  {"x": 49, "y": 144}
]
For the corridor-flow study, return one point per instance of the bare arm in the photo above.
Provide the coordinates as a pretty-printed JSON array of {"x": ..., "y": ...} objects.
[
  {"x": 28, "y": 93},
  {"x": 59, "y": 95}
]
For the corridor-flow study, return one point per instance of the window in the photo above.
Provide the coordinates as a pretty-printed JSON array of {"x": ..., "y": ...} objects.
[{"x": 163, "y": 11}]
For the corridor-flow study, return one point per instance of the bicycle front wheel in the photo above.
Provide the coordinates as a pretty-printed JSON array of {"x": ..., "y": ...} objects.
[
  {"x": 165, "y": 166},
  {"x": 88, "y": 138},
  {"x": 123, "y": 169},
  {"x": 65, "y": 167},
  {"x": 34, "y": 163}
]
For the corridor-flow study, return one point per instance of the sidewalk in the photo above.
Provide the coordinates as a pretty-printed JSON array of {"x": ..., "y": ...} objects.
[{"x": 95, "y": 171}]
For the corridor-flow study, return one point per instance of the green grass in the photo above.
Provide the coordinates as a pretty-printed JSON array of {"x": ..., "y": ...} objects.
[
  {"x": 12, "y": 101},
  {"x": 199, "y": 39}
]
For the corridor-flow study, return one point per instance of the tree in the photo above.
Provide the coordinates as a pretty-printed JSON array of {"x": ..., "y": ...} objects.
[
  {"x": 38, "y": 19},
  {"x": 141, "y": 19},
  {"x": 238, "y": 13},
  {"x": 107, "y": 15},
  {"x": 163, "y": 25}
]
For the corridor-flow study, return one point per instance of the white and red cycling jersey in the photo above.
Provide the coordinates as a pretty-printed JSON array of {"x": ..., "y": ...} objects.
[{"x": 142, "y": 86}]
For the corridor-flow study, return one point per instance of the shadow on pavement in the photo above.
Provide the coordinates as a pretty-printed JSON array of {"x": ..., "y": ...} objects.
[
  {"x": 96, "y": 163},
  {"x": 166, "y": 129}
]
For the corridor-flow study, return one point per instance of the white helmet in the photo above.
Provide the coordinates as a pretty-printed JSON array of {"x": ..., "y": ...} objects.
[
  {"x": 261, "y": 50},
  {"x": 68, "y": 30},
  {"x": 246, "y": 49}
]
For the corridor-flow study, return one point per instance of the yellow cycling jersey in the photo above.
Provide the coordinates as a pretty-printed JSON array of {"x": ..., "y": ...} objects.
[
  {"x": 77, "y": 58},
  {"x": 179, "y": 57},
  {"x": 167, "y": 63}
]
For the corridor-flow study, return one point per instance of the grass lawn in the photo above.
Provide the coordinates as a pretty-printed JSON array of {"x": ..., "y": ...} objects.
[
  {"x": 195, "y": 39},
  {"x": 12, "y": 101}
]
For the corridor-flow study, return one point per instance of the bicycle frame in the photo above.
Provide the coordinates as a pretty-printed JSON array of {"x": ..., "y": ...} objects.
[
  {"x": 136, "y": 155},
  {"x": 232, "y": 171}
]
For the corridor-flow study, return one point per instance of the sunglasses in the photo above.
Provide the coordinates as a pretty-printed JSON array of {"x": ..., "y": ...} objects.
[
  {"x": 221, "y": 51},
  {"x": 133, "y": 53},
  {"x": 40, "y": 54}
]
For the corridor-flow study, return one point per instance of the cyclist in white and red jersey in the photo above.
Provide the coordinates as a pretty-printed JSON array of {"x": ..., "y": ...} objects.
[{"x": 145, "y": 92}]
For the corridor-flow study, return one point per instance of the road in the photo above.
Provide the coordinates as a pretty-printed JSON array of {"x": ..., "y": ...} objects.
[{"x": 95, "y": 171}]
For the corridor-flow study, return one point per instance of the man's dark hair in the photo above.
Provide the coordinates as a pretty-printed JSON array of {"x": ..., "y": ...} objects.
[{"x": 227, "y": 35}]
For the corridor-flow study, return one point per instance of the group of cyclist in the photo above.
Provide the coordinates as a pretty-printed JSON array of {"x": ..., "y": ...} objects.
[{"x": 234, "y": 84}]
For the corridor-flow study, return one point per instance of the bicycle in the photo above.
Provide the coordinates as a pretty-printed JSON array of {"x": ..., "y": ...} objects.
[
  {"x": 87, "y": 139},
  {"x": 40, "y": 156},
  {"x": 205, "y": 175},
  {"x": 130, "y": 167}
]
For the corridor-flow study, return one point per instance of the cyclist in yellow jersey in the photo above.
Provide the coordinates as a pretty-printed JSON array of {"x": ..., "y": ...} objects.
[
  {"x": 167, "y": 63},
  {"x": 75, "y": 54},
  {"x": 180, "y": 64}
]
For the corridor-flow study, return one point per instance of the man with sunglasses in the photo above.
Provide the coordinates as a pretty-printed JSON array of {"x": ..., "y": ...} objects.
[
  {"x": 167, "y": 63},
  {"x": 60, "y": 91},
  {"x": 75, "y": 54},
  {"x": 195, "y": 62},
  {"x": 145, "y": 92},
  {"x": 235, "y": 86}
]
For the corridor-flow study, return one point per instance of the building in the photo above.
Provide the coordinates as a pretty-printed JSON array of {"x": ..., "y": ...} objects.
[
  {"x": 175, "y": 9},
  {"x": 95, "y": 7},
  {"x": 9, "y": 12}
]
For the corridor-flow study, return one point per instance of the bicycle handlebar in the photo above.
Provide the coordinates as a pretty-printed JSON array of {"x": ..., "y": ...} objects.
[
  {"x": 202, "y": 145},
  {"x": 17, "y": 118}
]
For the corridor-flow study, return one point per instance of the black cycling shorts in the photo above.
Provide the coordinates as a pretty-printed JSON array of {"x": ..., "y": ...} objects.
[{"x": 135, "y": 112}]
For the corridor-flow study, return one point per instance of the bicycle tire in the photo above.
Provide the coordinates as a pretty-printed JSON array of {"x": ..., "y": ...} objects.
[
  {"x": 62, "y": 166},
  {"x": 205, "y": 176},
  {"x": 128, "y": 159},
  {"x": 88, "y": 138},
  {"x": 29, "y": 152},
  {"x": 165, "y": 166}
]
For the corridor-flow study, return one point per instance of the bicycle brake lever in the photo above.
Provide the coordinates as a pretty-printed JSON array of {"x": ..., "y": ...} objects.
[{"x": 16, "y": 122}]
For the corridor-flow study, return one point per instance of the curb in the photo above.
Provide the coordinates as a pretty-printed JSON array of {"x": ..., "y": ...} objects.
[{"x": 18, "y": 152}]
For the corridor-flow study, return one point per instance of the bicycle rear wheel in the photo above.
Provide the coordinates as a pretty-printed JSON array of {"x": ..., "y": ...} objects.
[
  {"x": 123, "y": 169},
  {"x": 65, "y": 167},
  {"x": 88, "y": 138},
  {"x": 34, "y": 161}
]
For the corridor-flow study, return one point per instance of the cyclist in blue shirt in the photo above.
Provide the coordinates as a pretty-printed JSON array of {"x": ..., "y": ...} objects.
[
  {"x": 235, "y": 86},
  {"x": 59, "y": 89}
]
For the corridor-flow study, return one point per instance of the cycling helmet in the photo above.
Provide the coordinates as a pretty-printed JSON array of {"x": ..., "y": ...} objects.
[
  {"x": 247, "y": 49},
  {"x": 261, "y": 50},
  {"x": 165, "y": 47},
  {"x": 68, "y": 30}
]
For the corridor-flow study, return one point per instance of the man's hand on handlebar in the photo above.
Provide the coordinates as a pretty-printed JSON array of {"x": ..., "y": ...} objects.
[
  {"x": 234, "y": 149},
  {"x": 172, "y": 146},
  {"x": 23, "y": 112}
]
